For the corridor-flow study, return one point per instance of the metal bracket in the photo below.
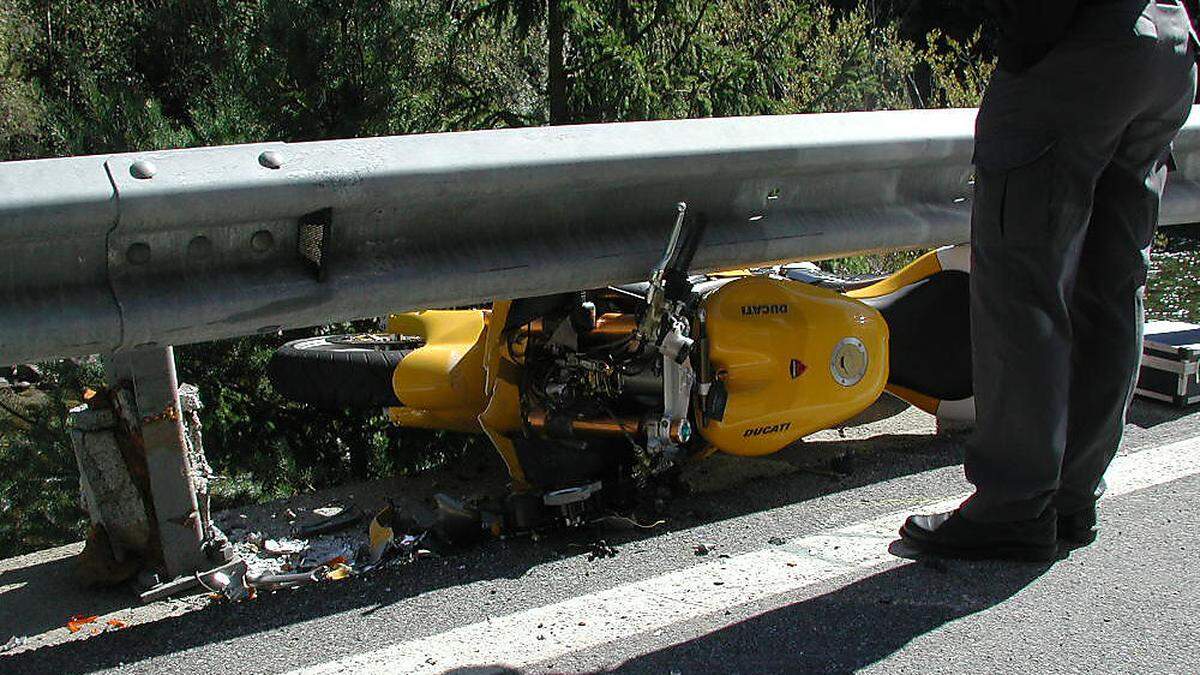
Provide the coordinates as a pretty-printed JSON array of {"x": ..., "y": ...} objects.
[{"x": 150, "y": 374}]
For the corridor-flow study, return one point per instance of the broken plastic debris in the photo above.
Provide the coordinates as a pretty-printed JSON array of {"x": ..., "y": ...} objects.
[
  {"x": 284, "y": 563},
  {"x": 280, "y": 547},
  {"x": 328, "y": 551},
  {"x": 339, "y": 572},
  {"x": 78, "y": 621},
  {"x": 380, "y": 534},
  {"x": 116, "y": 624}
]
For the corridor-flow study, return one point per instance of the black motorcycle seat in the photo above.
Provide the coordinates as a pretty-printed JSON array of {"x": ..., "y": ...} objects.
[{"x": 930, "y": 344}]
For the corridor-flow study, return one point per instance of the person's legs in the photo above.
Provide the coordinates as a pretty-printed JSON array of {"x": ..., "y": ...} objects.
[
  {"x": 1055, "y": 302},
  {"x": 1034, "y": 191},
  {"x": 1024, "y": 261},
  {"x": 1044, "y": 140},
  {"x": 1034, "y": 187},
  {"x": 1106, "y": 308}
]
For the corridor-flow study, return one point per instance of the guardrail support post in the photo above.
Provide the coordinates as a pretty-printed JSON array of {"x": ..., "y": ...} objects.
[{"x": 150, "y": 374}]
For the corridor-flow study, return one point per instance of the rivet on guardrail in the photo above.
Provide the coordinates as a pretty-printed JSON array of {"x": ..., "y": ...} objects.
[
  {"x": 262, "y": 241},
  {"x": 199, "y": 247},
  {"x": 271, "y": 159},
  {"x": 143, "y": 169},
  {"x": 138, "y": 254}
]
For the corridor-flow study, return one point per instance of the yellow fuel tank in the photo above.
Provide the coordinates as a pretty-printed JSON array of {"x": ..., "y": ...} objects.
[{"x": 793, "y": 358}]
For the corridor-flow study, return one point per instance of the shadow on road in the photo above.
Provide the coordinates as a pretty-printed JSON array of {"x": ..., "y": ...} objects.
[
  {"x": 31, "y": 599},
  {"x": 849, "y": 628}
]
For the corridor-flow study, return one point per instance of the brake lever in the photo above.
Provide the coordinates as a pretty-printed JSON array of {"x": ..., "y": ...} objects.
[{"x": 668, "y": 279}]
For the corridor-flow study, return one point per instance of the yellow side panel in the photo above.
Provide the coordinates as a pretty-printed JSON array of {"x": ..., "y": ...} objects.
[
  {"x": 780, "y": 347},
  {"x": 462, "y": 378},
  {"x": 443, "y": 380}
]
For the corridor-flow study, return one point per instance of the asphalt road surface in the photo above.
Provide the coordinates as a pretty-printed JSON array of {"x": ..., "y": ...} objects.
[{"x": 768, "y": 567}]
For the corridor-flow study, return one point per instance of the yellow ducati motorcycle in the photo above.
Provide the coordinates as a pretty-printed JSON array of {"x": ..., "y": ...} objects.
[{"x": 588, "y": 396}]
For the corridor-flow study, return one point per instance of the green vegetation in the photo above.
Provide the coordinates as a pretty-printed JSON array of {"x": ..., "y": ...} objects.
[{"x": 85, "y": 76}]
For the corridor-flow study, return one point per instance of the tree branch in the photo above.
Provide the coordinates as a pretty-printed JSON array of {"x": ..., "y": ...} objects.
[
  {"x": 660, "y": 11},
  {"x": 691, "y": 32}
]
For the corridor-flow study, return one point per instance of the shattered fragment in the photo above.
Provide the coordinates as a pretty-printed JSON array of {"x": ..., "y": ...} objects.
[
  {"x": 338, "y": 572},
  {"x": 77, "y": 621},
  {"x": 281, "y": 547},
  {"x": 380, "y": 535}
]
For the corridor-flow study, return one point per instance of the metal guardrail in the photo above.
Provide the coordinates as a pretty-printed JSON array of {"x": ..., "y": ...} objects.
[{"x": 108, "y": 253}]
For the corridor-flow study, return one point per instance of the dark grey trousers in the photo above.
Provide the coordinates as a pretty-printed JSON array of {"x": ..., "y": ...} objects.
[{"x": 1070, "y": 164}]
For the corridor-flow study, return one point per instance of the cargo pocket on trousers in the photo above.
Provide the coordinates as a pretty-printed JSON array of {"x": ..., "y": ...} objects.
[{"x": 1014, "y": 186}]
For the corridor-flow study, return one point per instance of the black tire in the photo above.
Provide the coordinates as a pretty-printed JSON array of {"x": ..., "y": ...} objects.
[{"x": 334, "y": 372}]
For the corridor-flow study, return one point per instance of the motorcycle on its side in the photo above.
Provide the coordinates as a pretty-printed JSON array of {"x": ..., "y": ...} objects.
[{"x": 589, "y": 396}]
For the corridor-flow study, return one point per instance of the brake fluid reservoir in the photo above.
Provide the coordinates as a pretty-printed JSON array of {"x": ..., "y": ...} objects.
[{"x": 794, "y": 359}]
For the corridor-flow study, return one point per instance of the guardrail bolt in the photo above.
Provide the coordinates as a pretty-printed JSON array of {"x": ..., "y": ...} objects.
[
  {"x": 262, "y": 241},
  {"x": 271, "y": 159},
  {"x": 138, "y": 254},
  {"x": 143, "y": 169},
  {"x": 199, "y": 247}
]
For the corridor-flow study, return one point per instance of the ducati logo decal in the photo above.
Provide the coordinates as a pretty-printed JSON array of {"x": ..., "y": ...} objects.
[
  {"x": 756, "y": 310},
  {"x": 768, "y": 429},
  {"x": 797, "y": 368}
]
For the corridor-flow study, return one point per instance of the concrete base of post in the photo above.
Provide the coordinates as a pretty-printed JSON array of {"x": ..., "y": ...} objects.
[{"x": 121, "y": 538}]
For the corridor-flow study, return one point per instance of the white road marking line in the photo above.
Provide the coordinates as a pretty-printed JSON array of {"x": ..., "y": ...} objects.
[{"x": 544, "y": 633}]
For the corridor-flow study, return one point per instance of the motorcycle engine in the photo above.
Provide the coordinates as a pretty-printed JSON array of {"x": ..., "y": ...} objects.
[{"x": 593, "y": 379}]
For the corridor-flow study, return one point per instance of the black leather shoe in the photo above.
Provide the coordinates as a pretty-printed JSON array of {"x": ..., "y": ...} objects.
[
  {"x": 1079, "y": 527},
  {"x": 951, "y": 535}
]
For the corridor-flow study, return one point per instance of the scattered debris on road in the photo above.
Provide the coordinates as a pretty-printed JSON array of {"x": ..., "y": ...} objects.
[
  {"x": 77, "y": 622},
  {"x": 703, "y": 549},
  {"x": 274, "y": 564},
  {"x": 597, "y": 550}
]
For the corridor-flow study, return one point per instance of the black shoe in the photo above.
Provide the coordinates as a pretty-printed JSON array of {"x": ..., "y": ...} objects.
[
  {"x": 951, "y": 535},
  {"x": 1079, "y": 527}
]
